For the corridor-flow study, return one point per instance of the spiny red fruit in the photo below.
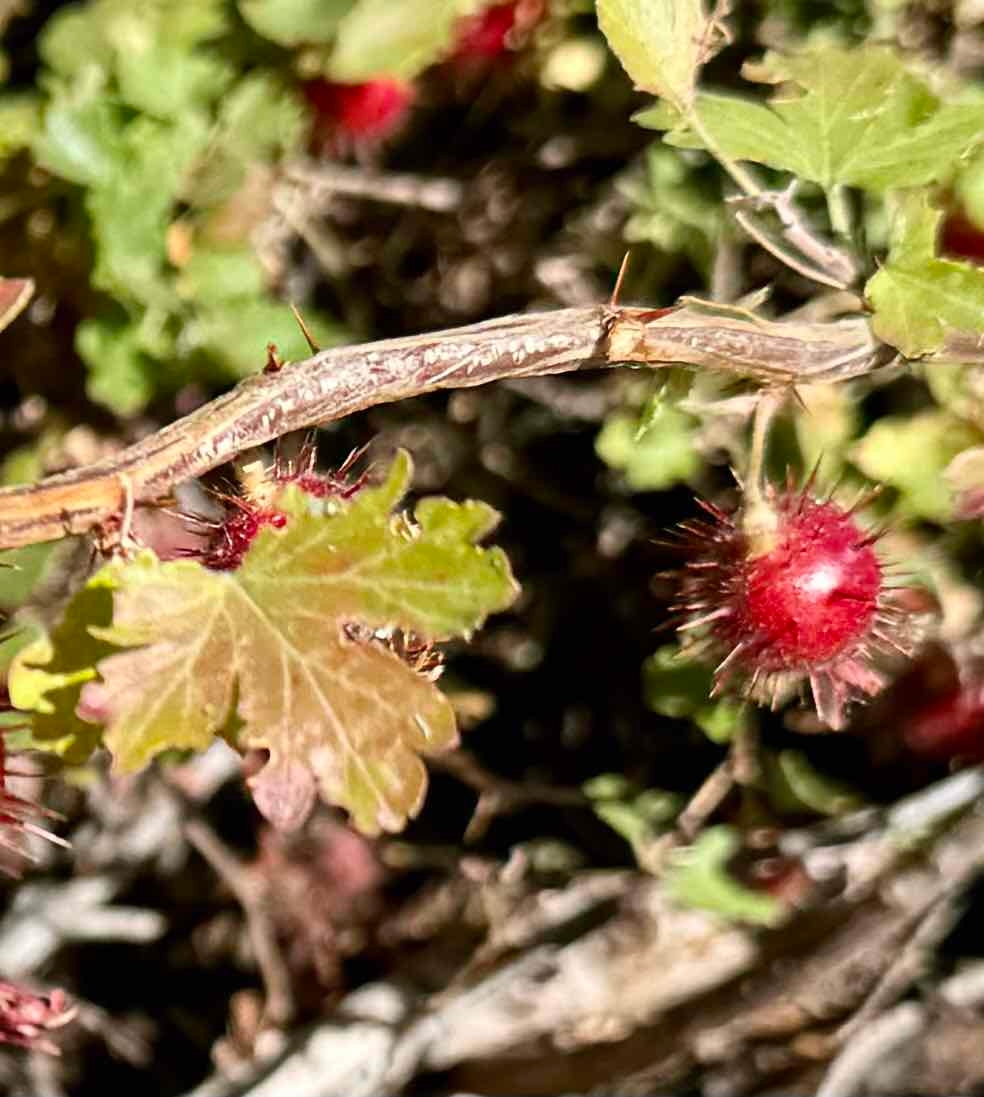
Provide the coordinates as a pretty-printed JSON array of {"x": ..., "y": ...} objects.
[
  {"x": 802, "y": 597},
  {"x": 255, "y": 510},
  {"x": 358, "y": 115}
]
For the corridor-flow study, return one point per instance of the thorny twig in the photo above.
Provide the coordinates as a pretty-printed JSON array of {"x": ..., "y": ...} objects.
[{"x": 338, "y": 382}]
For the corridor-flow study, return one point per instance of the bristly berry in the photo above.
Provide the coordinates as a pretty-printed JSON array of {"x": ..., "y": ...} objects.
[
  {"x": 256, "y": 508},
  {"x": 358, "y": 116},
  {"x": 800, "y": 597},
  {"x": 234, "y": 536}
]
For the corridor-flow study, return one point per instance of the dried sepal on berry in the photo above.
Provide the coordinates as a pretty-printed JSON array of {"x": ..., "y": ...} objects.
[{"x": 794, "y": 593}]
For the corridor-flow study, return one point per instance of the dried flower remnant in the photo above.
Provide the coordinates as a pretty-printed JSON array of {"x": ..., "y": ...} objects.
[{"x": 802, "y": 597}]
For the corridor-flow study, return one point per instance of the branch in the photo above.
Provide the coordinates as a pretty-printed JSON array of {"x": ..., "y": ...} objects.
[{"x": 338, "y": 382}]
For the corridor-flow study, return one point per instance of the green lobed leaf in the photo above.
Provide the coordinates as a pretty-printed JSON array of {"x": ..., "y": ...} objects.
[
  {"x": 395, "y": 38},
  {"x": 221, "y": 274},
  {"x": 860, "y": 119},
  {"x": 295, "y": 22},
  {"x": 74, "y": 39},
  {"x": 81, "y": 141},
  {"x": 911, "y": 453},
  {"x": 132, "y": 208},
  {"x": 265, "y": 647},
  {"x": 259, "y": 119},
  {"x": 120, "y": 374},
  {"x": 698, "y": 877},
  {"x": 918, "y": 297},
  {"x": 638, "y": 816},
  {"x": 167, "y": 80},
  {"x": 664, "y": 454},
  {"x": 674, "y": 685},
  {"x": 661, "y": 43}
]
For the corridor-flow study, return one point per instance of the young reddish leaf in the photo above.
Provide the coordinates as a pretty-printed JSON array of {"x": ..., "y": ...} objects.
[{"x": 271, "y": 646}]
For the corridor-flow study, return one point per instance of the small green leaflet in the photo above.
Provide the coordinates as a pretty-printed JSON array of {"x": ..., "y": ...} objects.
[
  {"x": 662, "y": 455},
  {"x": 263, "y": 656},
  {"x": 661, "y": 43},
  {"x": 676, "y": 685},
  {"x": 698, "y": 877},
  {"x": 918, "y": 297},
  {"x": 859, "y": 118}
]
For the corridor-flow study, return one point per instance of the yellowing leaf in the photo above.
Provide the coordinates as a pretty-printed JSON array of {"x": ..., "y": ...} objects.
[
  {"x": 917, "y": 296},
  {"x": 661, "y": 43},
  {"x": 282, "y": 649},
  {"x": 46, "y": 677}
]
